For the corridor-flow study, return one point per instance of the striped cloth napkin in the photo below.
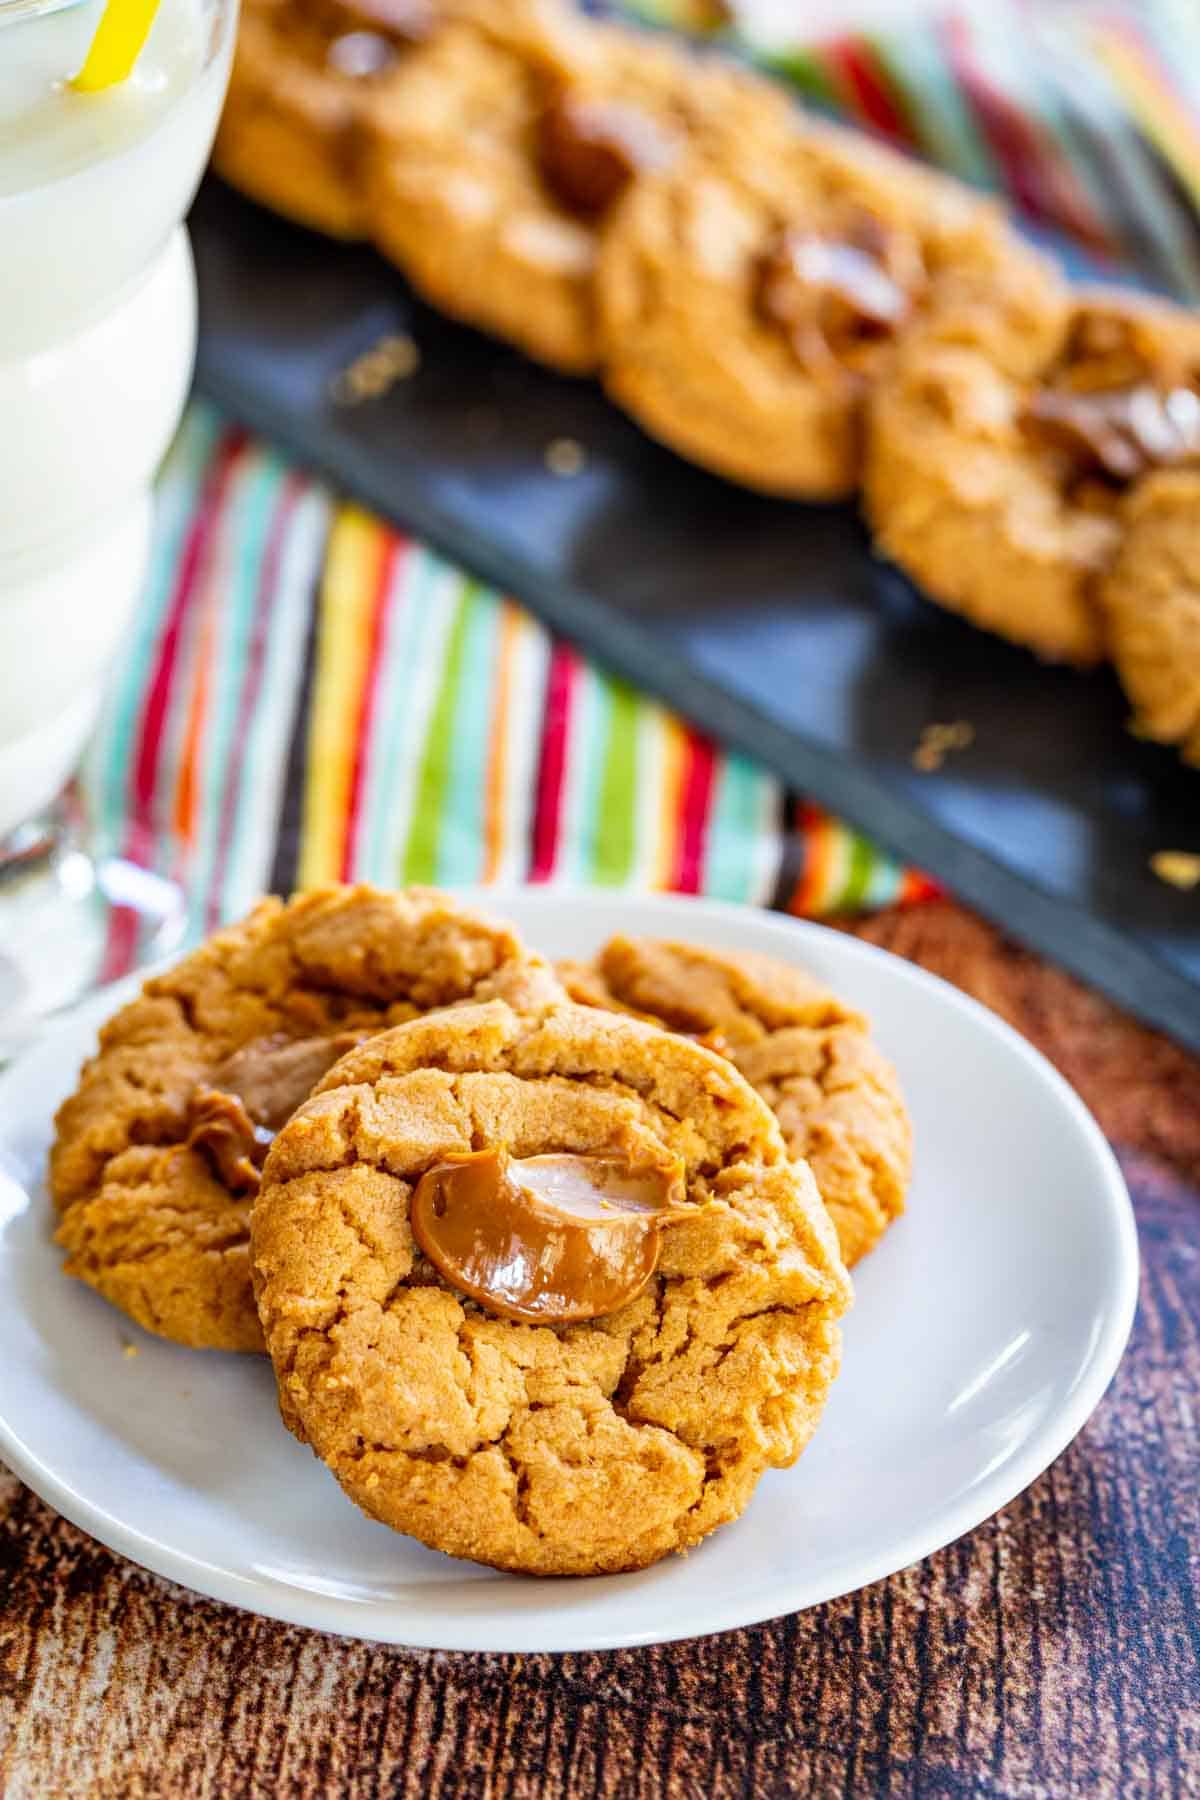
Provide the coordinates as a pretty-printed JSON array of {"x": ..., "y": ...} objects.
[
  {"x": 308, "y": 695},
  {"x": 1085, "y": 116}
]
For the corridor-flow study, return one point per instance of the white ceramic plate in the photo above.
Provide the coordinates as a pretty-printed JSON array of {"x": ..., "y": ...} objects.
[{"x": 987, "y": 1326}]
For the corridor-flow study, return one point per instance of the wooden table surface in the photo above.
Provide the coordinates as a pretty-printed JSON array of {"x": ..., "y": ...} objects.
[{"x": 1054, "y": 1651}]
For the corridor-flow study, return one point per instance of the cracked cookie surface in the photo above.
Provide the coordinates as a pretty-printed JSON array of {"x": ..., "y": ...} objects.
[
  {"x": 159, "y": 1224},
  {"x": 304, "y": 72},
  {"x": 1004, "y": 470},
  {"x": 1150, "y": 602},
  {"x": 306, "y": 76},
  {"x": 496, "y": 161},
  {"x": 564, "y": 1449},
  {"x": 810, "y": 1056},
  {"x": 749, "y": 300}
]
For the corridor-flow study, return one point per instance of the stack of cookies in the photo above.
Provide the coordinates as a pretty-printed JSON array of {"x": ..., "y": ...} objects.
[
  {"x": 1033, "y": 461},
  {"x": 782, "y": 302},
  {"x": 549, "y": 1263}
]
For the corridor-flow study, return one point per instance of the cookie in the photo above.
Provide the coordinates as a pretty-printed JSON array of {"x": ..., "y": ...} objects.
[
  {"x": 810, "y": 1056},
  {"x": 496, "y": 161},
  {"x": 545, "y": 1292},
  {"x": 749, "y": 300},
  {"x": 303, "y": 72},
  {"x": 1150, "y": 603},
  {"x": 157, "y": 1154},
  {"x": 998, "y": 468}
]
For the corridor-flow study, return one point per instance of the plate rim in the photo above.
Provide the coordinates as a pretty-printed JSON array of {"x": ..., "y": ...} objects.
[{"x": 270, "y": 1597}]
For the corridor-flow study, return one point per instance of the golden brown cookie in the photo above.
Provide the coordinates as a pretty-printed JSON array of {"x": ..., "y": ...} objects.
[
  {"x": 749, "y": 299},
  {"x": 303, "y": 74},
  {"x": 810, "y": 1056},
  {"x": 498, "y": 158},
  {"x": 998, "y": 466},
  {"x": 1150, "y": 602},
  {"x": 156, "y": 1157},
  {"x": 575, "y": 1445}
]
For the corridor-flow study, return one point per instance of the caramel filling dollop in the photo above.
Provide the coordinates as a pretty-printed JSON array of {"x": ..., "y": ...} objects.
[
  {"x": 1121, "y": 400},
  {"x": 369, "y": 33},
  {"x": 220, "y": 1127},
  {"x": 548, "y": 1240},
  {"x": 590, "y": 150},
  {"x": 360, "y": 54},
  {"x": 233, "y": 1117},
  {"x": 1118, "y": 433},
  {"x": 835, "y": 297}
]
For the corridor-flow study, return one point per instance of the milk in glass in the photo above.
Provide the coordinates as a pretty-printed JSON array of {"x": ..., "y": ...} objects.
[{"x": 97, "y": 337}]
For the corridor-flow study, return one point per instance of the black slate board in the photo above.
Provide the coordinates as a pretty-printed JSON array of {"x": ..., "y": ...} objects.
[{"x": 769, "y": 624}]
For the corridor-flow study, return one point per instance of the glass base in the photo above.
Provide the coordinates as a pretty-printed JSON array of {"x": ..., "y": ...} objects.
[{"x": 70, "y": 922}]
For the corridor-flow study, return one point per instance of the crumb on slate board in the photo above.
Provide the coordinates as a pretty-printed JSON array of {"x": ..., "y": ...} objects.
[
  {"x": 938, "y": 740},
  {"x": 392, "y": 359},
  {"x": 565, "y": 456},
  {"x": 1178, "y": 868}
]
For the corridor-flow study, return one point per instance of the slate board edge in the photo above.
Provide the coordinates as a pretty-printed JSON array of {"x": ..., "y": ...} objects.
[{"x": 1096, "y": 952}]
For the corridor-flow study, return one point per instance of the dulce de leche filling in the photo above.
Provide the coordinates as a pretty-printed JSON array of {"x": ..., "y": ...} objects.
[
  {"x": 233, "y": 1118},
  {"x": 1117, "y": 433},
  {"x": 1117, "y": 405},
  {"x": 368, "y": 34},
  {"x": 548, "y": 1240},
  {"x": 589, "y": 150},
  {"x": 836, "y": 297}
]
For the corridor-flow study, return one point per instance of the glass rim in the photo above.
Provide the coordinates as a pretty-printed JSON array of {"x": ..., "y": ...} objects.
[{"x": 12, "y": 11}]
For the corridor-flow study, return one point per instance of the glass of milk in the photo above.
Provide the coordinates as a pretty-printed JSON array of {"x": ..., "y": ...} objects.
[{"x": 97, "y": 337}]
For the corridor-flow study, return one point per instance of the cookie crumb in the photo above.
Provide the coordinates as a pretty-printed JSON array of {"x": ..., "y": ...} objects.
[
  {"x": 565, "y": 456},
  {"x": 937, "y": 741},
  {"x": 129, "y": 1350},
  {"x": 1178, "y": 868},
  {"x": 392, "y": 359}
]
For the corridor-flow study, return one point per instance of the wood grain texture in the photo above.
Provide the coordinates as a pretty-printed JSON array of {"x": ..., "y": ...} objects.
[{"x": 1055, "y": 1651}]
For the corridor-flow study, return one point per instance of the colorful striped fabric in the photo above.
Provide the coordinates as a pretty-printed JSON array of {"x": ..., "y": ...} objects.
[
  {"x": 1152, "y": 59},
  {"x": 1085, "y": 116},
  {"x": 309, "y": 695}
]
